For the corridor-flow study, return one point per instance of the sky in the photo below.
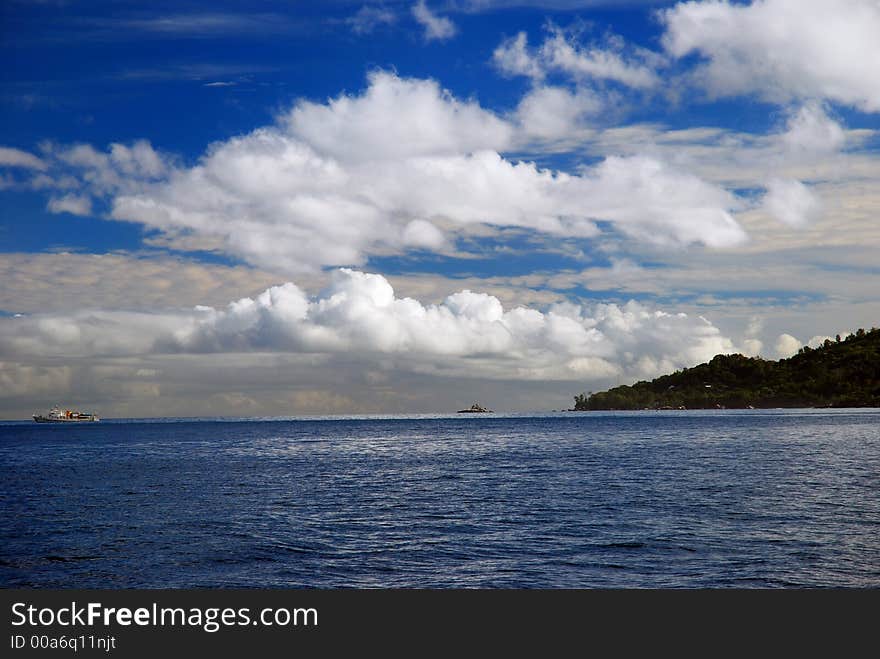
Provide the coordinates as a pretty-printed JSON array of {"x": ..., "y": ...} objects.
[{"x": 292, "y": 208}]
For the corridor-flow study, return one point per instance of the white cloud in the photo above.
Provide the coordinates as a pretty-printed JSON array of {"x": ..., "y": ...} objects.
[
  {"x": 139, "y": 160},
  {"x": 817, "y": 341},
  {"x": 809, "y": 146},
  {"x": 423, "y": 234},
  {"x": 276, "y": 203},
  {"x": 512, "y": 57},
  {"x": 201, "y": 25},
  {"x": 786, "y": 346},
  {"x": 751, "y": 347},
  {"x": 368, "y": 19},
  {"x": 85, "y": 334},
  {"x": 782, "y": 49},
  {"x": 18, "y": 379},
  {"x": 561, "y": 5},
  {"x": 331, "y": 184},
  {"x": 810, "y": 130},
  {"x": 610, "y": 62},
  {"x": 63, "y": 281},
  {"x": 120, "y": 169},
  {"x": 562, "y": 116},
  {"x": 73, "y": 204},
  {"x": 10, "y": 157},
  {"x": 555, "y": 113},
  {"x": 437, "y": 28},
  {"x": 755, "y": 326},
  {"x": 560, "y": 52},
  {"x": 654, "y": 203},
  {"x": 396, "y": 118},
  {"x": 791, "y": 202},
  {"x": 360, "y": 318}
]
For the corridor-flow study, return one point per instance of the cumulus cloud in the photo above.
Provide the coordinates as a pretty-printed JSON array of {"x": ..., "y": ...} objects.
[
  {"x": 818, "y": 341},
  {"x": 561, "y": 52},
  {"x": 121, "y": 168},
  {"x": 360, "y": 317},
  {"x": 751, "y": 347},
  {"x": 423, "y": 234},
  {"x": 791, "y": 202},
  {"x": 810, "y": 130},
  {"x": 437, "y": 28},
  {"x": 751, "y": 344},
  {"x": 641, "y": 195},
  {"x": 549, "y": 113},
  {"x": 782, "y": 49},
  {"x": 396, "y": 118},
  {"x": 786, "y": 346},
  {"x": 391, "y": 169},
  {"x": 275, "y": 202}
]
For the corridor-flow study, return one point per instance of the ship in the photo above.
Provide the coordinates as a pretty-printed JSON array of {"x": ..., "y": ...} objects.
[
  {"x": 57, "y": 415},
  {"x": 476, "y": 408}
]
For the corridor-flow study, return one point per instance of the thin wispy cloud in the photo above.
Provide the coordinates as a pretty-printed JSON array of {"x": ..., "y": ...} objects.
[
  {"x": 564, "y": 5},
  {"x": 10, "y": 157},
  {"x": 196, "y": 71},
  {"x": 436, "y": 27},
  {"x": 198, "y": 25},
  {"x": 562, "y": 53},
  {"x": 369, "y": 18},
  {"x": 120, "y": 26}
]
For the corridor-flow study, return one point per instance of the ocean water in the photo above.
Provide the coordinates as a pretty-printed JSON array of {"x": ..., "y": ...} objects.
[{"x": 696, "y": 499}]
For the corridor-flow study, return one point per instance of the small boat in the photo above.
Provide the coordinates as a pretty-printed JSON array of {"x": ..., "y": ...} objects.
[
  {"x": 476, "y": 408},
  {"x": 57, "y": 415}
]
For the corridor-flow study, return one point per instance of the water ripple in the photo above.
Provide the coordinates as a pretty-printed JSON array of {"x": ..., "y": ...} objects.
[{"x": 762, "y": 499}]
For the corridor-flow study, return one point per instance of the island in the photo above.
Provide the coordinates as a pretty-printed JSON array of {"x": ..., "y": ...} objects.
[
  {"x": 839, "y": 373},
  {"x": 476, "y": 408}
]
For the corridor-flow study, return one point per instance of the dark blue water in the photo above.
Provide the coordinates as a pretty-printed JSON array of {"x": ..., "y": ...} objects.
[{"x": 678, "y": 499}]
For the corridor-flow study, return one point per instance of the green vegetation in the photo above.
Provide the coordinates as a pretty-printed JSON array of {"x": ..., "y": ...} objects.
[{"x": 841, "y": 373}]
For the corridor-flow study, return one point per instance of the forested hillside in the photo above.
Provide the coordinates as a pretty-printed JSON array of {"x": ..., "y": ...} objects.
[{"x": 841, "y": 373}]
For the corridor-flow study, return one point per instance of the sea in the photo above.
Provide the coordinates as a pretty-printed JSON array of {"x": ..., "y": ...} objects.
[{"x": 623, "y": 500}]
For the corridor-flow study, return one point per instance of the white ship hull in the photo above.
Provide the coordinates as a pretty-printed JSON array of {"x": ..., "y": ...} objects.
[
  {"x": 45, "y": 419},
  {"x": 56, "y": 415}
]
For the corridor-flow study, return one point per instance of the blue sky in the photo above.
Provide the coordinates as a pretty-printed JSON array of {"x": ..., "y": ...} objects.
[
  {"x": 620, "y": 189},
  {"x": 184, "y": 75}
]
